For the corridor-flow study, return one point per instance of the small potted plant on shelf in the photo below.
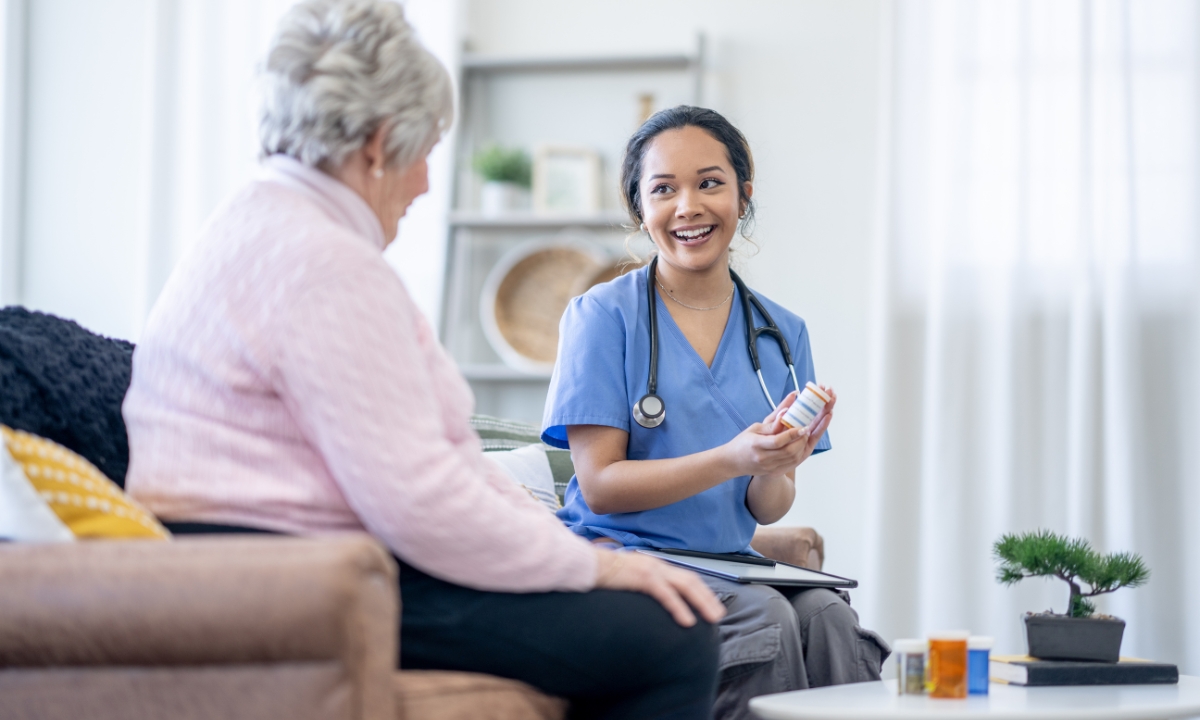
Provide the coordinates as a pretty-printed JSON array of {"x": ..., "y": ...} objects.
[
  {"x": 1078, "y": 634},
  {"x": 507, "y": 175}
]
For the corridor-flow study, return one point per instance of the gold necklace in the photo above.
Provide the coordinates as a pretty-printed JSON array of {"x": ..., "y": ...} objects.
[{"x": 692, "y": 307}]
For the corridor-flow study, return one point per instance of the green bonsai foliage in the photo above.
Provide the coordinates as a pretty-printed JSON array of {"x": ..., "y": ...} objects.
[
  {"x": 1072, "y": 560},
  {"x": 498, "y": 164}
]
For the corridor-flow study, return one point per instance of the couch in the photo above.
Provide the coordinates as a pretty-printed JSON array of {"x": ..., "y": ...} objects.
[{"x": 229, "y": 627}]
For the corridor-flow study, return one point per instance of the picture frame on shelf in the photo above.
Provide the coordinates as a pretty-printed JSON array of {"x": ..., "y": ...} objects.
[{"x": 566, "y": 180}]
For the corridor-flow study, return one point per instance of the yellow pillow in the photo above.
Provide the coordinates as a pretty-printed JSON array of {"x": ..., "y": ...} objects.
[{"x": 87, "y": 502}]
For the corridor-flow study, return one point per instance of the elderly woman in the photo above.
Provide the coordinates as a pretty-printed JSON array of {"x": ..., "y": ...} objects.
[{"x": 287, "y": 383}]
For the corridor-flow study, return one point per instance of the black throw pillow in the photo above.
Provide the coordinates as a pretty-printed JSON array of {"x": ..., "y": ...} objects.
[{"x": 67, "y": 384}]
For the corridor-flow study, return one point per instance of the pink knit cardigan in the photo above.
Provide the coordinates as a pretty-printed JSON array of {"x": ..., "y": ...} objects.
[{"x": 286, "y": 380}]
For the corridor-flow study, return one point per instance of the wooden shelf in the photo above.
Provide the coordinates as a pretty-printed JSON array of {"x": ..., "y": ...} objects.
[
  {"x": 485, "y": 64},
  {"x": 610, "y": 219},
  {"x": 502, "y": 373}
]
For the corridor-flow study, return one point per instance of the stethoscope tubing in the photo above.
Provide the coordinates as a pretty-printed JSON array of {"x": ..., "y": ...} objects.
[
  {"x": 749, "y": 301},
  {"x": 652, "y": 299}
]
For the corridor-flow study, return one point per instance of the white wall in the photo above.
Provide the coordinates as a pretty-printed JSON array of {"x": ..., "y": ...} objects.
[{"x": 801, "y": 79}]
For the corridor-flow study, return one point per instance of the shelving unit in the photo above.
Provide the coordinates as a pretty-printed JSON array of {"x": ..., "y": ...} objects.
[
  {"x": 501, "y": 373},
  {"x": 483, "y": 64},
  {"x": 525, "y": 102},
  {"x": 613, "y": 220}
]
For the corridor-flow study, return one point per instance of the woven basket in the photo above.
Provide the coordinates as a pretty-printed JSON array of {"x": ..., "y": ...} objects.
[{"x": 525, "y": 295}]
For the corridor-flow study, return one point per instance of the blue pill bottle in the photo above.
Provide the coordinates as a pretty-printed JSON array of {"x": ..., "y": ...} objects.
[{"x": 979, "y": 650}]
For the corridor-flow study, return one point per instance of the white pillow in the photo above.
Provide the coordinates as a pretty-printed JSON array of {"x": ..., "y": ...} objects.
[
  {"x": 24, "y": 515},
  {"x": 529, "y": 468}
]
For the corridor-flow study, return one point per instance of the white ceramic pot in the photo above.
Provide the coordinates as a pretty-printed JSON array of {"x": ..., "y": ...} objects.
[{"x": 500, "y": 198}]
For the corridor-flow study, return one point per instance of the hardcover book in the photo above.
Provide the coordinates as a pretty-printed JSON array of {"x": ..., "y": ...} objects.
[{"x": 1026, "y": 670}]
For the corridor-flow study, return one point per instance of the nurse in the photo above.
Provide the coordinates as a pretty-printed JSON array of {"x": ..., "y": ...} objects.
[{"x": 719, "y": 463}]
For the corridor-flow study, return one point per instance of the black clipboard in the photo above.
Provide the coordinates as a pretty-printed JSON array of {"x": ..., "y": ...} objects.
[{"x": 749, "y": 569}]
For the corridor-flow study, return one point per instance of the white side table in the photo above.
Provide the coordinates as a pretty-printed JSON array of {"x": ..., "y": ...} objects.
[{"x": 879, "y": 701}]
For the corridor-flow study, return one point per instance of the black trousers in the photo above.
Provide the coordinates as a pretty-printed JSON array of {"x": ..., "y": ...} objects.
[{"x": 613, "y": 654}]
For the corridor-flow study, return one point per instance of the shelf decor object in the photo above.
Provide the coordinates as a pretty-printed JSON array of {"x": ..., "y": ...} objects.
[
  {"x": 566, "y": 180},
  {"x": 525, "y": 295},
  {"x": 611, "y": 270},
  {"x": 614, "y": 220},
  {"x": 507, "y": 176}
]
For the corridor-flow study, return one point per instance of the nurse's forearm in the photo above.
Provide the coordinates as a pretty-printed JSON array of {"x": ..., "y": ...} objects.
[
  {"x": 769, "y": 497},
  {"x": 612, "y": 484},
  {"x": 635, "y": 485}
]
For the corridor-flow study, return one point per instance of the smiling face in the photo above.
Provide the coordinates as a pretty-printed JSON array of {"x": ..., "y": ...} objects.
[{"x": 689, "y": 199}]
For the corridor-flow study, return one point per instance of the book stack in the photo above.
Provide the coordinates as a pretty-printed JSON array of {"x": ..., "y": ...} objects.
[{"x": 1030, "y": 671}]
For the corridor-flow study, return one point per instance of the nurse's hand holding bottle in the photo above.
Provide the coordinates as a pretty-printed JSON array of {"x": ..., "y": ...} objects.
[{"x": 770, "y": 452}]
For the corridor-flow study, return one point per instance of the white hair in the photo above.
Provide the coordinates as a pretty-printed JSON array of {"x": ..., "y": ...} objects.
[{"x": 337, "y": 71}]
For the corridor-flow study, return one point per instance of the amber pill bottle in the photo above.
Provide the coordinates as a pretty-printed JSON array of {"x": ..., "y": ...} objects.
[{"x": 948, "y": 664}]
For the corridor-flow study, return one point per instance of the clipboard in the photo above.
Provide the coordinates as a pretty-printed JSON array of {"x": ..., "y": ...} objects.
[{"x": 749, "y": 569}]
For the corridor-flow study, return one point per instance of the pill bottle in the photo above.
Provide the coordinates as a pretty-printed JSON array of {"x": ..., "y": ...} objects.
[
  {"x": 948, "y": 664},
  {"x": 979, "y": 650},
  {"x": 807, "y": 406},
  {"x": 910, "y": 666}
]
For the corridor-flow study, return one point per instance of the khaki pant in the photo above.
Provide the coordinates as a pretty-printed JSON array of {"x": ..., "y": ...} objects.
[{"x": 776, "y": 640}]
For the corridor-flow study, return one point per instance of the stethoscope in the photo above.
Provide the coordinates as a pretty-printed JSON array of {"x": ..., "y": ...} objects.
[{"x": 650, "y": 410}]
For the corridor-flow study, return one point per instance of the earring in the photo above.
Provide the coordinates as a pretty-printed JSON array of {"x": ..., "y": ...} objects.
[
  {"x": 643, "y": 227},
  {"x": 378, "y": 172}
]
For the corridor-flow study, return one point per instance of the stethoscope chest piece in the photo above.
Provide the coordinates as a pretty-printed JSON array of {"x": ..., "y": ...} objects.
[{"x": 650, "y": 411}]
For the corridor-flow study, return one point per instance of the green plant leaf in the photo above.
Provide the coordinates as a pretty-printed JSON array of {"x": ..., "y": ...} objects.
[
  {"x": 1116, "y": 571},
  {"x": 1081, "y": 607},
  {"x": 1072, "y": 560},
  {"x": 498, "y": 164},
  {"x": 1041, "y": 553}
]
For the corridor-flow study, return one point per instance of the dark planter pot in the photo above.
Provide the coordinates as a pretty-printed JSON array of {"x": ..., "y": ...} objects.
[{"x": 1057, "y": 637}]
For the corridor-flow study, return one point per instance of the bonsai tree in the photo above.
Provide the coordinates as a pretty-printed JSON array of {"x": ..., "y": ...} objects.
[
  {"x": 497, "y": 164},
  {"x": 1072, "y": 560}
]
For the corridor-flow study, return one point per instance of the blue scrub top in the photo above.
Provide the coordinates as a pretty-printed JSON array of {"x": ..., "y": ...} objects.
[{"x": 602, "y": 370}]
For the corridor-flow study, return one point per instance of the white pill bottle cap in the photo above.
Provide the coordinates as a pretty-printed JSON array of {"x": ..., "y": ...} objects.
[
  {"x": 910, "y": 645},
  {"x": 980, "y": 642},
  {"x": 816, "y": 390}
]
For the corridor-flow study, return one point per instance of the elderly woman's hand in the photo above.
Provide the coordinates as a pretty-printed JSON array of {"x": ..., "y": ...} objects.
[{"x": 678, "y": 590}]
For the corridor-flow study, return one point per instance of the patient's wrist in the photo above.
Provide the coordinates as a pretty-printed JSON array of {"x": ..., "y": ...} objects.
[{"x": 606, "y": 566}]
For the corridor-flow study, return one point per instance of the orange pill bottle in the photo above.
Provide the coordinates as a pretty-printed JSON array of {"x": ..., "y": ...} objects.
[{"x": 948, "y": 664}]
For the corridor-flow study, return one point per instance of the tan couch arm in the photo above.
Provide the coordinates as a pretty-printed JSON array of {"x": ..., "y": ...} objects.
[
  {"x": 326, "y": 606},
  {"x": 795, "y": 545}
]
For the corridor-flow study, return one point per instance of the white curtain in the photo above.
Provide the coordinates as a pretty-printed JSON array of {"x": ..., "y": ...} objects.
[
  {"x": 203, "y": 143},
  {"x": 1034, "y": 355}
]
